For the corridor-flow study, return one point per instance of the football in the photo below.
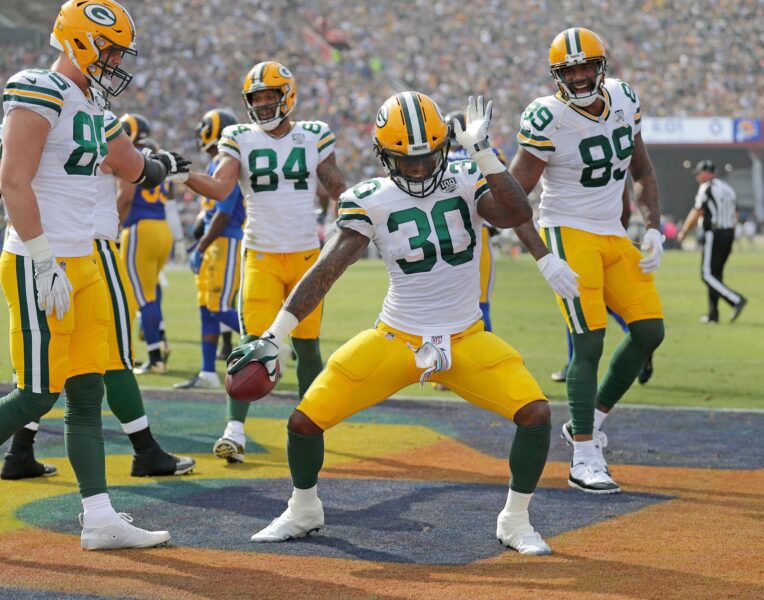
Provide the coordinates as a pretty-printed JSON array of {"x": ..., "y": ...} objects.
[{"x": 250, "y": 383}]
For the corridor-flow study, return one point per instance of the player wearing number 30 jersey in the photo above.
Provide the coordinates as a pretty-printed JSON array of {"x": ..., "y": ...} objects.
[
  {"x": 580, "y": 142},
  {"x": 278, "y": 164}
]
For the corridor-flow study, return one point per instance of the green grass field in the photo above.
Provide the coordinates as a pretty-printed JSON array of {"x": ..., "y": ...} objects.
[{"x": 697, "y": 365}]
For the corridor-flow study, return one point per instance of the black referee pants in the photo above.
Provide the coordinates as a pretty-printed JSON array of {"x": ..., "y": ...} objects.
[{"x": 716, "y": 250}]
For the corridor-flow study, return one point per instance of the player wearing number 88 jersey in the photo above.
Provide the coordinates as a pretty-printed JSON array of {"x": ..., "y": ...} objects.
[
  {"x": 278, "y": 164},
  {"x": 580, "y": 142}
]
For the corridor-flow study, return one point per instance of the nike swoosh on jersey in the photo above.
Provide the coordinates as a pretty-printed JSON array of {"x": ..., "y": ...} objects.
[
  {"x": 309, "y": 256},
  {"x": 32, "y": 80}
]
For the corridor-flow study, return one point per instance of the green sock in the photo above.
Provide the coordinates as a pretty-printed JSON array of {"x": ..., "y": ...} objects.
[
  {"x": 643, "y": 338},
  {"x": 83, "y": 432},
  {"x": 20, "y": 407},
  {"x": 306, "y": 457},
  {"x": 123, "y": 395},
  {"x": 527, "y": 457},
  {"x": 582, "y": 379},
  {"x": 309, "y": 363}
]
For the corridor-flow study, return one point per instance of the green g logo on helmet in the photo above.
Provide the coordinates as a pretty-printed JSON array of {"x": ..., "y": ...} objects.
[
  {"x": 382, "y": 116},
  {"x": 100, "y": 14}
]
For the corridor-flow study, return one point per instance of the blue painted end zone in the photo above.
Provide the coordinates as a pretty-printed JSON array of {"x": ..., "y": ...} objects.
[{"x": 431, "y": 523}]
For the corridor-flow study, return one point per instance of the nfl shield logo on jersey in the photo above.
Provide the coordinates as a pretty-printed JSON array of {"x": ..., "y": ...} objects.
[
  {"x": 298, "y": 138},
  {"x": 619, "y": 116}
]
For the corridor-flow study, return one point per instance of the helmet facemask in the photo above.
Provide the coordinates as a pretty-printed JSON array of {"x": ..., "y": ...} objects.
[
  {"x": 110, "y": 77},
  {"x": 279, "y": 108},
  {"x": 587, "y": 98},
  {"x": 396, "y": 164}
]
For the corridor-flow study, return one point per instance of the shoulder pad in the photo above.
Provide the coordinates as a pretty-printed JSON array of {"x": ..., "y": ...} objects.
[
  {"x": 234, "y": 130},
  {"x": 463, "y": 166},
  {"x": 363, "y": 190}
]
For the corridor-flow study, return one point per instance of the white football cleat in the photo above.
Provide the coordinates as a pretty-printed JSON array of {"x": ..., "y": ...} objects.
[
  {"x": 592, "y": 477},
  {"x": 599, "y": 437},
  {"x": 120, "y": 534},
  {"x": 229, "y": 449},
  {"x": 293, "y": 523},
  {"x": 520, "y": 536}
]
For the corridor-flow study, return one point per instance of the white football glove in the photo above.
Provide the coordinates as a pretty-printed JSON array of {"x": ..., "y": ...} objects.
[
  {"x": 53, "y": 287},
  {"x": 652, "y": 243},
  {"x": 559, "y": 275},
  {"x": 478, "y": 120}
]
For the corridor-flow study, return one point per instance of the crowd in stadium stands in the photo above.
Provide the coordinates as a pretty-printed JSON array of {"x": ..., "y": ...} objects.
[{"x": 683, "y": 57}]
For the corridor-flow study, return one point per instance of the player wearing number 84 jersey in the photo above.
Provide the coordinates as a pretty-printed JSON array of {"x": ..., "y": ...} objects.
[
  {"x": 580, "y": 142},
  {"x": 278, "y": 163}
]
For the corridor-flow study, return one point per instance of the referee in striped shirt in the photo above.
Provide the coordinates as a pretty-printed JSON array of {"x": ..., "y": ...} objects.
[{"x": 715, "y": 202}]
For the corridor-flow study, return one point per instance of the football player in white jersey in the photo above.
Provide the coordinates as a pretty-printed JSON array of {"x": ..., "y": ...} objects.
[
  {"x": 425, "y": 219},
  {"x": 122, "y": 392},
  {"x": 278, "y": 164},
  {"x": 581, "y": 142},
  {"x": 54, "y": 141}
]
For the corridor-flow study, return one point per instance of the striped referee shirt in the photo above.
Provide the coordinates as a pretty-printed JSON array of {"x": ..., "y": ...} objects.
[{"x": 717, "y": 200}]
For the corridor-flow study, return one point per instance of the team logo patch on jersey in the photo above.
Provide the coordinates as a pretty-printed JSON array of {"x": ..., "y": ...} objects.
[
  {"x": 298, "y": 138},
  {"x": 448, "y": 185},
  {"x": 619, "y": 116},
  {"x": 100, "y": 14}
]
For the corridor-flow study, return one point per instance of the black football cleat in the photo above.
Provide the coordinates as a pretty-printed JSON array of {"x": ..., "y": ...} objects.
[
  {"x": 24, "y": 466},
  {"x": 158, "y": 463},
  {"x": 647, "y": 371},
  {"x": 738, "y": 308},
  {"x": 561, "y": 375}
]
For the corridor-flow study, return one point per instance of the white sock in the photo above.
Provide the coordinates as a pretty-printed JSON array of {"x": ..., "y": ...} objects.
[
  {"x": 235, "y": 429},
  {"x": 599, "y": 418},
  {"x": 517, "y": 502},
  {"x": 515, "y": 513},
  {"x": 305, "y": 498},
  {"x": 98, "y": 510},
  {"x": 32, "y": 426},
  {"x": 584, "y": 451}
]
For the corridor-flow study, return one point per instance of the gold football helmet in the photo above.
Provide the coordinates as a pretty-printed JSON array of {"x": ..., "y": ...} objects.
[
  {"x": 211, "y": 126},
  {"x": 411, "y": 141},
  {"x": 578, "y": 46},
  {"x": 91, "y": 33},
  {"x": 270, "y": 75}
]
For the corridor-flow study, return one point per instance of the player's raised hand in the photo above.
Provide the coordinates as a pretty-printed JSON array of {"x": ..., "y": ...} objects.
[
  {"x": 53, "y": 287},
  {"x": 559, "y": 275},
  {"x": 475, "y": 137},
  {"x": 177, "y": 166}
]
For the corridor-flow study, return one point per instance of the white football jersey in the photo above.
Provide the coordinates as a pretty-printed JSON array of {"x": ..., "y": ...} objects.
[
  {"x": 279, "y": 182},
  {"x": 106, "y": 214},
  {"x": 587, "y": 158},
  {"x": 65, "y": 184},
  {"x": 431, "y": 247}
]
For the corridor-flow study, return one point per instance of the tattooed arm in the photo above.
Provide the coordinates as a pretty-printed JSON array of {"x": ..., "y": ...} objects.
[
  {"x": 331, "y": 177},
  {"x": 506, "y": 204},
  {"x": 527, "y": 170},
  {"x": 342, "y": 251},
  {"x": 645, "y": 184}
]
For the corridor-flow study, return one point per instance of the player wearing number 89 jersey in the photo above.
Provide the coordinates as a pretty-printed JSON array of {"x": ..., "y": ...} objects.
[
  {"x": 580, "y": 142},
  {"x": 278, "y": 164}
]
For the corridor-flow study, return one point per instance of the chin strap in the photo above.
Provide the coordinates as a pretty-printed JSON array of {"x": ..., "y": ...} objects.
[{"x": 570, "y": 101}]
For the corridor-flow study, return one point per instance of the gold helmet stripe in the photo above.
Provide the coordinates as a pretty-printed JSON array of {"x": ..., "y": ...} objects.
[
  {"x": 132, "y": 123},
  {"x": 215, "y": 129},
  {"x": 258, "y": 75}
]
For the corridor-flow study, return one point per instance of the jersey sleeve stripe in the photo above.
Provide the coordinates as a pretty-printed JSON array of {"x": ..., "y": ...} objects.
[
  {"x": 482, "y": 189},
  {"x": 230, "y": 141},
  {"x": 34, "y": 88},
  {"x": 232, "y": 148},
  {"x": 35, "y": 101},
  {"x": 326, "y": 135},
  {"x": 364, "y": 218},
  {"x": 638, "y": 116},
  {"x": 326, "y": 143},
  {"x": 351, "y": 211},
  {"x": 113, "y": 131},
  {"x": 546, "y": 146}
]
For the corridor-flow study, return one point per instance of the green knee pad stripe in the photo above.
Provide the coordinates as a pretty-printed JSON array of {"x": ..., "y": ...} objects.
[
  {"x": 123, "y": 395},
  {"x": 34, "y": 326},
  {"x": 306, "y": 457},
  {"x": 527, "y": 457},
  {"x": 119, "y": 305},
  {"x": 573, "y": 308}
]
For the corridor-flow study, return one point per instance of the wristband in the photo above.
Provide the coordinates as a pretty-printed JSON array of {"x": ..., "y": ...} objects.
[
  {"x": 282, "y": 326},
  {"x": 38, "y": 248},
  {"x": 487, "y": 161}
]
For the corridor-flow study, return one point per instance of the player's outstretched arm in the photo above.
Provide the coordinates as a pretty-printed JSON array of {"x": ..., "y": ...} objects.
[
  {"x": 142, "y": 168},
  {"x": 339, "y": 253},
  {"x": 331, "y": 177},
  {"x": 218, "y": 185},
  {"x": 342, "y": 251}
]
